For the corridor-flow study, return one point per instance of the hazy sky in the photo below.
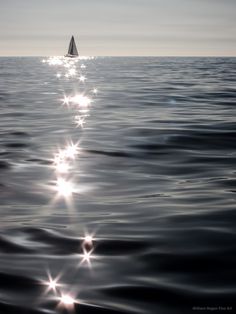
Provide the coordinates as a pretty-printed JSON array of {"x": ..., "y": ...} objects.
[{"x": 119, "y": 27}]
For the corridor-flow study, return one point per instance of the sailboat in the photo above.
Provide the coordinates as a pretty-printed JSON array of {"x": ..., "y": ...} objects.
[{"x": 72, "y": 50}]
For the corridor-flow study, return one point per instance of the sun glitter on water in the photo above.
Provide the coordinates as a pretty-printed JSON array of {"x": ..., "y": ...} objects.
[
  {"x": 52, "y": 284},
  {"x": 64, "y": 162},
  {"x": 67, "y": 299},
  {"x": 64, "y": 188}
]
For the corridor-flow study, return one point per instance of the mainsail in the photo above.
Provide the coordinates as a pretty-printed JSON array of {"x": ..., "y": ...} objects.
[{"x": 72, "y": 51}]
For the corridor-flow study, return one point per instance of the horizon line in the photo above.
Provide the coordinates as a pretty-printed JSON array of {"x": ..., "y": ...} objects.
[{"x": 123, "y": 56}]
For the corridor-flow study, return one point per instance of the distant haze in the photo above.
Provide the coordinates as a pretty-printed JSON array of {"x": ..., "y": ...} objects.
[{"x": 118, "y": 27}]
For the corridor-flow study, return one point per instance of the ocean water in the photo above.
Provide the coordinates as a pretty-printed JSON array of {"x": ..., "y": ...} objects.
[{"x": 150, "y": 176}]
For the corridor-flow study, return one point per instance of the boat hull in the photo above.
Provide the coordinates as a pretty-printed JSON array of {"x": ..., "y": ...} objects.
[{"x": 71, "y": 56}]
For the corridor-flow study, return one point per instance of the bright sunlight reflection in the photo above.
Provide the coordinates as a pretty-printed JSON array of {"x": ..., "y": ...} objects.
[
  {"x": 72, "y": 72},
  {"x": 88, "y": 239},
  {"x": 82, "y": 78},
  {"x": 64, "y": 188},
  {"x": 79, "y": 99},
  {"x": 86, "y": 257},
  {"x": 62, "y": 167},
  {"x": 67, "y": 299},
  {"x": 52, "y": 283},
  {"x": 71, "y": 151}
]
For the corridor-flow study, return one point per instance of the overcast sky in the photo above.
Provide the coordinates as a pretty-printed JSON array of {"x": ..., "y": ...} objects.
[{"x": 119, "y": 27}]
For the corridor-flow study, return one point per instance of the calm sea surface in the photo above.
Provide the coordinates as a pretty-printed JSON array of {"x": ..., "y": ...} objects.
[{"x": 150, "y": 176}]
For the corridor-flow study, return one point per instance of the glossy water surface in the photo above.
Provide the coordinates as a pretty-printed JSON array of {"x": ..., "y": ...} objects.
[{"x": 154, "y": 182}]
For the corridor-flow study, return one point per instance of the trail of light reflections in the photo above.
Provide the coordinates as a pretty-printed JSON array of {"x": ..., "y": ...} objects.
[
  {"x": 62, "y": 158},
  {"x": 83, "y": 102},
  {"x": 65, "y": 299},
  {"x": 64, "y": 185},
  {"x": 88, "y": 248},
  {"x": 62, "y": 163},
  {"x": 55, "y": 61},
  {"x": 79, "y": 99},
  {"x": 69, "y": 152},
  {"x": 68, "y": 65},
  {"x": 63, "y": 61}
]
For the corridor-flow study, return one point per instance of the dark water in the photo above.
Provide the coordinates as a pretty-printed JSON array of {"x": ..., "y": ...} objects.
[{"x": 154, "y": 181}]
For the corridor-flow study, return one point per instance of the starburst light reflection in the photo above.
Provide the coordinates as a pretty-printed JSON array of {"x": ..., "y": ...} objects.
[
  {"x": 86, "y": 257},
  {"x": 66, "y": 100},
  {"x": 79, "y": 121},
  {"x": 52, "y": 284}
]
